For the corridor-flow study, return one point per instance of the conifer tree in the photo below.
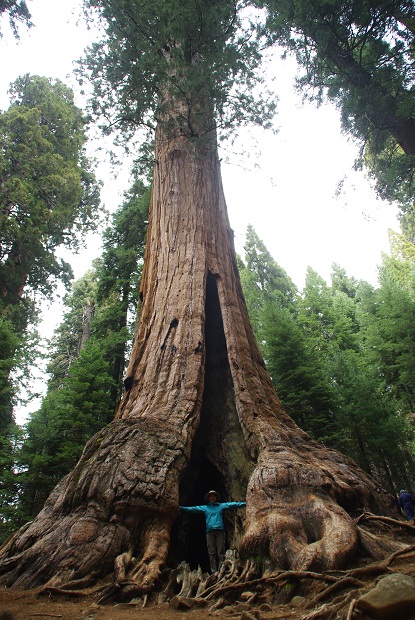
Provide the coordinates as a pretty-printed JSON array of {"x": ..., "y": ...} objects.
[
  {"x": 198, "y": 401},
  {"x": 48, "y": 197},
  {"x": 301, "y": 378},
  {"x": 58, "y": 431},
  {"x": 298, "y": 372},
  {"x": 84, "y": 386}
]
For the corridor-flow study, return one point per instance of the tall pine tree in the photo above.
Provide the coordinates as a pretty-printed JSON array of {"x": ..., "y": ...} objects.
[{"x": 86, "y": 373}]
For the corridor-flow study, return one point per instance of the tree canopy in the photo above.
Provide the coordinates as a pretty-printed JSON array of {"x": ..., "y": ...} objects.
[
  {"x": 360, "y": 54},
  {"x": 339, "y": 355},
  {"x": 205, "y": 55},
  {"x": 49, "y": 195},
  {"x": 49, "y": 198}
]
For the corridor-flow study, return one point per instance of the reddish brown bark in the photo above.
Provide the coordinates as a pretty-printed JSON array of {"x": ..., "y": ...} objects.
[{"x": 199, "y": 411}]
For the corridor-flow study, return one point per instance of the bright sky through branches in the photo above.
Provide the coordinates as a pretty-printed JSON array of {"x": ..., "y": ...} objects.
[{"x": 284, "y": 185}]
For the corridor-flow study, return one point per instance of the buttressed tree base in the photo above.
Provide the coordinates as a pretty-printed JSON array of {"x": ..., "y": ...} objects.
[{"x": 199, "y": 411}]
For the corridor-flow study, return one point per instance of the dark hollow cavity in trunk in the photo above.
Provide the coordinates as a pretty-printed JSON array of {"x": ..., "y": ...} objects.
[{"x": 218, "y": 458}]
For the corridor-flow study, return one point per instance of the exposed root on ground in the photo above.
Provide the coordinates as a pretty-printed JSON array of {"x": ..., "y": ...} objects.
[{"x": 243, "y": 586}]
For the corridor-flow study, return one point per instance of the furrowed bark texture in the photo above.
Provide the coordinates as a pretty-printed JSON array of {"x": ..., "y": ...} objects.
[{"x": 199, "y": 411}]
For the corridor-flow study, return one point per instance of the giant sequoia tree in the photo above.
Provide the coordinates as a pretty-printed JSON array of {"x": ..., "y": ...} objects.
[
  {"x": 49, "y": 196},
  {"x": 199, "y": 408}
]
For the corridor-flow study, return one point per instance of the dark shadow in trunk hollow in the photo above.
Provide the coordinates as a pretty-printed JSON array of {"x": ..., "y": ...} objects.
[{"x": 218, "y": 459}]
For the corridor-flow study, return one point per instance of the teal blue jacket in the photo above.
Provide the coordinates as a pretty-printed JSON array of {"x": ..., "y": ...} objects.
[{"x": 213, "y": 513}]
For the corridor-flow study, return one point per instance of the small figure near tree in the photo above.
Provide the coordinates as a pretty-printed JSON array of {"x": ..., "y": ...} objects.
[
  {"x": 215, "y": 528},
  {"x": 406, "y": 502}
]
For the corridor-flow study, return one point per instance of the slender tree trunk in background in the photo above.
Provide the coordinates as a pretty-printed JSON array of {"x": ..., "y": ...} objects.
[
  {"x": 362, "y": 448},
  {"x": 199, "y": 411},
  {"x": 87, "y": 316},
  {"x": 118, "y": 361},
  {"x": 387, "y": 472}
]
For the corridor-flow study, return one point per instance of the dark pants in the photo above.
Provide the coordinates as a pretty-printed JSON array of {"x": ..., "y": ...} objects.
[
  {"x": 215, "y": 540},
  {"x": 409, "y": 509}
]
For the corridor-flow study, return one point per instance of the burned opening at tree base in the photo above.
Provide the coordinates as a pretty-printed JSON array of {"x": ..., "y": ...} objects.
[{"x": 219, "y": 459}]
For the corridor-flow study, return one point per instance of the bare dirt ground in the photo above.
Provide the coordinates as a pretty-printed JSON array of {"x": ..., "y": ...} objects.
[
  {"x": 289, "y": 595},
  {"x": 31, "y": 606}
]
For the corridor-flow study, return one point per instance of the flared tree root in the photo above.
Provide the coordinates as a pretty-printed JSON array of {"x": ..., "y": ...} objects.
[{"x": 246, "y": 586}]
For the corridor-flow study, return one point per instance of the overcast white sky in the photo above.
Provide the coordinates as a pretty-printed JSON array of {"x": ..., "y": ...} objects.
[{"x": 287, "y": 192}]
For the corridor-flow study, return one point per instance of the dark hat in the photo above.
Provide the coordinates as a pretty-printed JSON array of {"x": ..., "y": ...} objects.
[{"x": 212, "y": 493}]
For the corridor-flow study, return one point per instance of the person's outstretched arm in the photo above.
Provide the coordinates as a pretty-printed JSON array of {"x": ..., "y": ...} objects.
[
  {"x": 192, "y": 508},
  {"x": 233, "y": 505}
]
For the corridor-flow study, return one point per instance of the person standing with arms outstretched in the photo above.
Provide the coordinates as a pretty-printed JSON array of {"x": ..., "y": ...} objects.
[{"x": 215, "y": 528}]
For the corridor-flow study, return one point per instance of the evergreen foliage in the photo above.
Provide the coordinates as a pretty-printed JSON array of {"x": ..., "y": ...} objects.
[
  {"x": 49, "y": 196},
  {"x": 293, "y": 361},
  {"x": 86, "y": 374},
  {"x": 339, "y": 355},
  {"x": 299, "y": 375},
  {"x": 193, "y": 64},
  {"x": 263, "y": 280},
  {"x": 17, "y": 12},
  {"x": 65, "y": 344},
  {"x": 9, "y": 341},
  {"x": 48, "y": 199},
  {"x": 11, "y": 514},
  {"x": 68, "y": 417},
  {"x": 360, "y": 54},
  {"x": 118, "y": 279}
]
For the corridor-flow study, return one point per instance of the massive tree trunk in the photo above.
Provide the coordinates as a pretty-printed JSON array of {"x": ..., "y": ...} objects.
[{"x": 199, "y": 411}]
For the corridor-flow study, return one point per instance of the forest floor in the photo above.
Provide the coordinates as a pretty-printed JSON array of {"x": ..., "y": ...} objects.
[
  {"x": 29, "y": 605},
  {"x": 326, "y": 596}
]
